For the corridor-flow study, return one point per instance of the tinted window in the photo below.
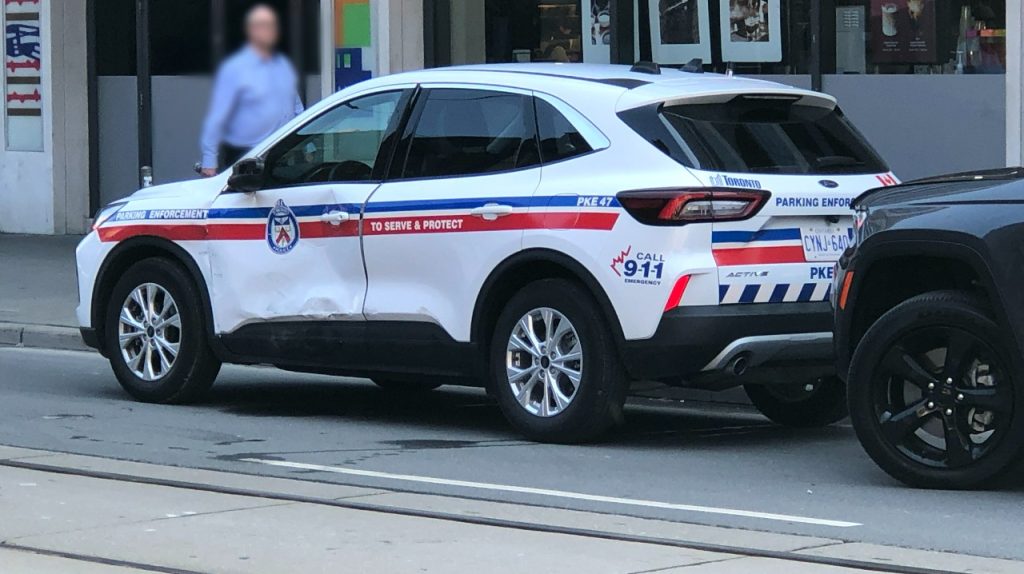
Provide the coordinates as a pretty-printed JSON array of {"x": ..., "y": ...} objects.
[
  {"x": 559, "y": 139},
  {"x": 768, "y": 135},
  {"x": 340, "y": 145},
  {"x": 463, "y": 132}
]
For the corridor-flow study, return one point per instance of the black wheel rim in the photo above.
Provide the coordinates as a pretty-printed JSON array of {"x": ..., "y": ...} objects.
[{"x": 942, "y": 397}]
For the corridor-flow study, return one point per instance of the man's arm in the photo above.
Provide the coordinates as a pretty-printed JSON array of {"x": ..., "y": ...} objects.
[{"x": 225, "y": 91}]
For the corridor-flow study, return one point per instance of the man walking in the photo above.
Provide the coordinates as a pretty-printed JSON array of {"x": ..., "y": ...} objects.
[{"x": 255, "y": 93}]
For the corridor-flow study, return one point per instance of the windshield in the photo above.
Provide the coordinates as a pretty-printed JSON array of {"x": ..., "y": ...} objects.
[{"x": 762, "y": 134}]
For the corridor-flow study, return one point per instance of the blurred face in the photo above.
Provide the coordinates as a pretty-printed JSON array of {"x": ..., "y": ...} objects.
[{"x": 261, "y": 29}]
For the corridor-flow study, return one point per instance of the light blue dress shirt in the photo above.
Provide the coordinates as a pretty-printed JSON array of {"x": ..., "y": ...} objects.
[{"x": 252, "y": 97}]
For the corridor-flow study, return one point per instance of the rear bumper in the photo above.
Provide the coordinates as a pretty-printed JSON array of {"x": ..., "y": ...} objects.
[{"x": 694, "y": 341}]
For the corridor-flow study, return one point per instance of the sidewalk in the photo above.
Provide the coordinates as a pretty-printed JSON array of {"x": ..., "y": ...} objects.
[
  {"x": 134, "y": 517},
  {"x": 38, "y": 291}
]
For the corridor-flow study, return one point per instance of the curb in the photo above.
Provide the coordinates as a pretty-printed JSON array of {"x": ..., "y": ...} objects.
[{"x": 41, "y": 337}]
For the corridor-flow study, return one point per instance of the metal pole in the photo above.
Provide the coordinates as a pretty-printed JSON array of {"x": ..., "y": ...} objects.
[
  {"x": 93, "y": 107},
  {"x": 816, "y": 45},
  {"x": 296, "y": 42},
  {"x": 218, "y": 40},
  {"x": 145, "y": 87},
  {"x": 622, "y": 31}
]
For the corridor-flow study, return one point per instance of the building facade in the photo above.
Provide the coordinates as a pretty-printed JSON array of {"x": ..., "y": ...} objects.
[{"x": 98, "y": 91}]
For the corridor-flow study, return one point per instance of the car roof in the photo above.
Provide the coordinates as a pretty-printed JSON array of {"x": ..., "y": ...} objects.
[{"x": 620, "y": 84}]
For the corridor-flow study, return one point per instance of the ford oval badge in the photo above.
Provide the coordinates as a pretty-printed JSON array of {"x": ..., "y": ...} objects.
[{"x": 828, "y": 183}]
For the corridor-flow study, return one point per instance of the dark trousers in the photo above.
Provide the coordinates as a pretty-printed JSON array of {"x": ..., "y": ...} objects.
[{"x": 230, "y": 154}]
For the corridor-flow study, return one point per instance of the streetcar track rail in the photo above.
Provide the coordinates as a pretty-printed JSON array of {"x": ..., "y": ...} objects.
[{"x": 349, "y": 504}]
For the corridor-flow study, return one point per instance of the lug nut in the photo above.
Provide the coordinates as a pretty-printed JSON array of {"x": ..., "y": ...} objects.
[
  {"x": 931, "y": 405},
  {"x": 949, "y": 381},
  {"x": 960, "y": 397},
  {"x": 949, "y": 412},
  {"x": 931, "y": 386}
]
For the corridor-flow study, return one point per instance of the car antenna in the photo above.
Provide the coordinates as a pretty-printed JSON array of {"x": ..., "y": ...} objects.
[
  {"x": 646, "y": 68},
  {"x": 694, "y": 66}
]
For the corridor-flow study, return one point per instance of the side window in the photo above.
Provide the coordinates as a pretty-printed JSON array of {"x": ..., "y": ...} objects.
[
  {"x": 559, "y": 139},
  {"x": 339, "y": 146},
  {"x": 466, "y": 132}
]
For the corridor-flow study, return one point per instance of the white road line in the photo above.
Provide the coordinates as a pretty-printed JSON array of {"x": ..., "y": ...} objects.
[{"x": 555, "y": 493}]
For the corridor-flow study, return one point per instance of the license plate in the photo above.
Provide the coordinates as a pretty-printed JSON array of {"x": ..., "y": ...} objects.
[{"x": 825, "y": 243}]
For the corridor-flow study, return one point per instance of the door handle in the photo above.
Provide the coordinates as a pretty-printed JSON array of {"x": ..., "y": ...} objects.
[
  {"x": 491, "y": 211},
  {"x": 335, "y": 217}
]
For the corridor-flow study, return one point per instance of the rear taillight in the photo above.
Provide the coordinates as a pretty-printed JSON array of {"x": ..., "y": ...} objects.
[{"x": 692, "y": 205}]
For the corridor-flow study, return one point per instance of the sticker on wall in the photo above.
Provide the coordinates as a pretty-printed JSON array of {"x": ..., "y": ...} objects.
[
  {"x": 903, "y": 32},
  {"x": 680, "y": 31},
  {"x": 353, "y": 56},
  {"x": 597, "y": 31},
  {"x": 752, "y": 32},
  {"x": 23, "y": 64}
]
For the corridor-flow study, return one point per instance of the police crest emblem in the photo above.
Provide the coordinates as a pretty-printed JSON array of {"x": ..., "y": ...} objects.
[{"x": 282, "y": 229}]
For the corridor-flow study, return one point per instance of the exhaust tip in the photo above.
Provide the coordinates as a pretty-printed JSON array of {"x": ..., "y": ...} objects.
[{"x": 739, "y": 364}]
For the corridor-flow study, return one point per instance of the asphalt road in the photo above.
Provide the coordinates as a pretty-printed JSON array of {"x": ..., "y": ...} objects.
[{"x": 697, "y": 463}]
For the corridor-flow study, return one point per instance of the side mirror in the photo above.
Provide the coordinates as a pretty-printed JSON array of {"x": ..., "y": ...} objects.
[{"x": 248, "y": 175}]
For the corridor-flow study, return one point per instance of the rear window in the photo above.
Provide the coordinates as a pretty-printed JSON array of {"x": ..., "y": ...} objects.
[{"x": 752, "y": 134}]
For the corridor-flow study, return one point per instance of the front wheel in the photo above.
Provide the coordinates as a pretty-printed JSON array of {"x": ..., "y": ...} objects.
[
  {"x": 816, "y": 403},
  {"x": 155, "y": 334},
  {"x": 555, "y": 371},
  {"x": 933, "y": 396}
]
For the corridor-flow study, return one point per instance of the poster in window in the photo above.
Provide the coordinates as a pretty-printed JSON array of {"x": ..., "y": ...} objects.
[
  {"x": 751, "y": 30},
  {"x": 903, "y": 32},
  {"x": 597, "y": 31},
  {"x": 680, "y": 31},
  {"x": 23, "y": 67}
]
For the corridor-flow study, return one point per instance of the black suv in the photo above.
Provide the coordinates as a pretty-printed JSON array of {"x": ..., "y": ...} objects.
[{"x": 929, "y": 327}]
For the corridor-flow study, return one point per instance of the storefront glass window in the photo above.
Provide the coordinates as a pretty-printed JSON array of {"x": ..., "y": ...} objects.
[
  {"x": 532, "y": 31},
  {"x": 917, "y": 37}
]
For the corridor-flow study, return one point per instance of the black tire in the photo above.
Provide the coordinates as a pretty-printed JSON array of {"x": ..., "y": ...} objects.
[
  {"x": 393, "y": 386},
  {"x": 794, "y": 405},
  {"x": 889, "y": 357},
  {"x": 195, "y": 368},
  {"x": 598, "y": 399}
]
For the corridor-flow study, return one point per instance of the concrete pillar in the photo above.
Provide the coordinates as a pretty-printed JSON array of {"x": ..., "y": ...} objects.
[
  {"x": 47, "y": 191},
  {"x": 398, "y": 35},
  {"x": 1014, "y": 83},
  {"x": 469, "y": 45}
]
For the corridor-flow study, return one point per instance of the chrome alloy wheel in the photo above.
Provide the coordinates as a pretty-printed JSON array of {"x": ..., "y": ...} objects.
[
  {"x": 544, "y": 362},
  {"x": 149, "y": 331}
]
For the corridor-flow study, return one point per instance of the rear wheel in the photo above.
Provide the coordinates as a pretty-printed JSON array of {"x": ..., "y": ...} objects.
[
  {"x": 933, "y": 397},
  {"x": 555, "y": 371},
  {"x": 156, "y": 336},
  {"x": 814, "y": 403}
]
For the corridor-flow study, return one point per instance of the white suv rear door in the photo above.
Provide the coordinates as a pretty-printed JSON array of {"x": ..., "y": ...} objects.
[{"x": 455, "y": 206}]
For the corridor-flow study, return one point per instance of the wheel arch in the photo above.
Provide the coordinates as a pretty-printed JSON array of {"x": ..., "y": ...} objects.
[
  {"x": 131, "y": 251},
  {"x": 897, "y": 270},
  {"x": 528, "y": 266}
]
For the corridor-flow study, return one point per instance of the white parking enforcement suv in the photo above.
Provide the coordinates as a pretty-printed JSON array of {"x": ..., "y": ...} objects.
[{"x": 552, "y": 232}]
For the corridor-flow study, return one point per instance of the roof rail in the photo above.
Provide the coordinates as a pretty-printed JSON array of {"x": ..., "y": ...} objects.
[
  {"x": 646, "y": 68},
  {"x": 694, "y": 66}
]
